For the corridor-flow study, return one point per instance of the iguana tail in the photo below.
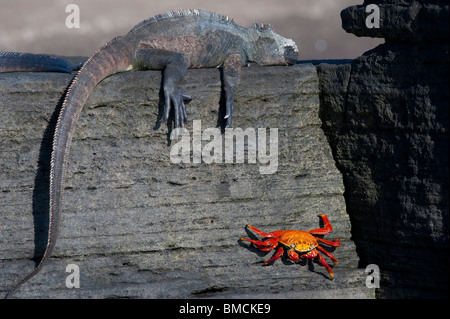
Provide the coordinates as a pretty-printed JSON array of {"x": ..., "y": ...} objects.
[
  {"x": 116, "y": 56},
  {"x": 29, "y": 62}
]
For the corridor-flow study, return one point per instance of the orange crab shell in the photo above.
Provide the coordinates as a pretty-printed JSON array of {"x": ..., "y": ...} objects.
[{"x": 299, "y": 240}]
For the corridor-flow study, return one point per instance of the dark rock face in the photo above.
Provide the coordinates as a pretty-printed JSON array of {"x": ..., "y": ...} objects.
[
  {"x": 386, "y": 118},
  {"x": 402, "y": 20}
]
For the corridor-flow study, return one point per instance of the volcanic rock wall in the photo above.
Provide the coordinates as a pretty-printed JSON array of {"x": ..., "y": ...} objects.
[{"x": 386, "y": 117}]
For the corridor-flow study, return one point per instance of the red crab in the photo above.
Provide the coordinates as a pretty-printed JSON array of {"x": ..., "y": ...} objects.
[{"x": 297, "y": 241}]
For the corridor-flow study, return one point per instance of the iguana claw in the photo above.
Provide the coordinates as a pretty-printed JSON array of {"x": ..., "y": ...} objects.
[
  {"x": 176, "y": 99},
  {"x": 228, "y": 114}
]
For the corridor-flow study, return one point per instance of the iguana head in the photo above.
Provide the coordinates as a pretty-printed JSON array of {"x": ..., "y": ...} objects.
[{"x": 270, "y": 48}]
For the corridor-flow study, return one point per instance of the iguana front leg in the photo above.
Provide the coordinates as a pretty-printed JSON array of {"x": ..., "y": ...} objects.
[
  {"x": 231, "y": 73},
  {"x": 174, "y": 66}
]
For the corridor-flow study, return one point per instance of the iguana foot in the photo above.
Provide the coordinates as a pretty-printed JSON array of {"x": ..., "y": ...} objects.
[
  {"x": 176, "y": 100},
  {"x": 231, "y": 73}
]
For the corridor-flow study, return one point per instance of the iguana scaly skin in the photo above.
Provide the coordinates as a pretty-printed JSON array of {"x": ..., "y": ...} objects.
[
  {"x": 172, "y": 42},
  {"x": 29, "y": 62}
]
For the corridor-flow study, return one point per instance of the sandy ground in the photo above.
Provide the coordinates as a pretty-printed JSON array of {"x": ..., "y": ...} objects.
[{"x": 40, "y": 26}]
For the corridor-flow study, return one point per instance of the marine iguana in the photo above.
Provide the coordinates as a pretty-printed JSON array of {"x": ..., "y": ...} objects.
[{"x": 171, "y": 42}]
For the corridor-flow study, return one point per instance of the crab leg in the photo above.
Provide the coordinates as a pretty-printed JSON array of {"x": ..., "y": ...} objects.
[
  {"x": 268, "y": 235},
  {"x": 313, "y": 254},
  {"x": 275, "y": 256},
  {"x": 261, "y": 245},
  {"x": 334, "y": 243},
  {"x": 328, "y": 254},
  {"x": 325, "y": 230},
  {"x": 293, "y": 255},
  {"x": 310, "y": 255},
  {"x": 324, "y": 263}
]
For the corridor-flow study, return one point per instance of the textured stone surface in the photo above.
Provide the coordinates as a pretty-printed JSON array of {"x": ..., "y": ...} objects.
[
  {"x": 386, "y": 117},
  {"x": 404, "y": 20},
  {"x": 138, "y": 225}
]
